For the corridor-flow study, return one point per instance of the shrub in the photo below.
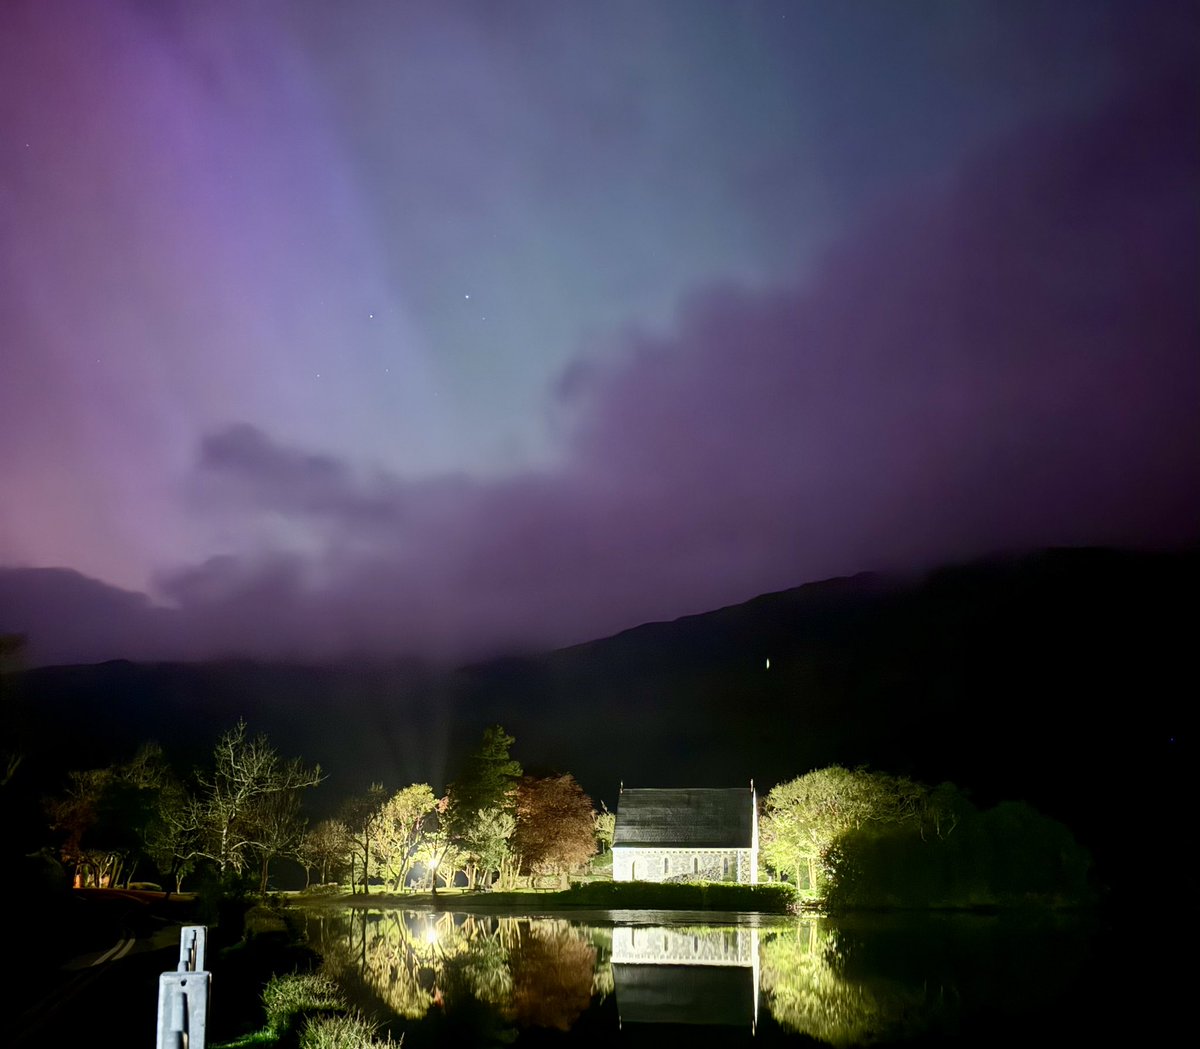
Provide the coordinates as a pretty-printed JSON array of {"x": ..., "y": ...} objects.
[
  {"x": 260, "y": 920},
  {"x": 714, "y": 896},
  {"x": 288, "y": 997}
]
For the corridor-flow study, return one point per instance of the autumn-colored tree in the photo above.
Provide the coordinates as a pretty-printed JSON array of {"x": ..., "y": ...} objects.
[
  {"x": 555, "y": 832},
  {"x": 552, "y": 972}
]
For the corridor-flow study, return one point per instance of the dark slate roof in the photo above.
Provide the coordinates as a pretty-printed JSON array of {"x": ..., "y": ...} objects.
[{"x": 696, "y": 818}]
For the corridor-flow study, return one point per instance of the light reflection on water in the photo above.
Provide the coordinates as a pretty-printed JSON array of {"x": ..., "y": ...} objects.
[{"x": 442, "y": 978}]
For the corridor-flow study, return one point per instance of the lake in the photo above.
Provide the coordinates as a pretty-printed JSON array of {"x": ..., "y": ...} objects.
[{"x": 444, "y": 978}]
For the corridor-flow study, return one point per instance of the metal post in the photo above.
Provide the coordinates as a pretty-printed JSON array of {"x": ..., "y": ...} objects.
[
  {"x": 192, "y": 940},
  {"x": 182, "y": 1010},
  {"x": 183, "y": 995}
]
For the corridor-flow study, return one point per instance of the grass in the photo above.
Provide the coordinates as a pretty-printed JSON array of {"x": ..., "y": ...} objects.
[
  {"x": 341, "y": 1032},
  {"x": 288, "y": 997},
  {"x": 308, "y": 1010}
]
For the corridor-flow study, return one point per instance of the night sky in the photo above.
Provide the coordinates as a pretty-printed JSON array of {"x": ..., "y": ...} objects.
[{"x": 452, "y": 328}]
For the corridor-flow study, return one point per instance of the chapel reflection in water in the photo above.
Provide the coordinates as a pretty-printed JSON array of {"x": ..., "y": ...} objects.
[{"x": 706, "y": 976}]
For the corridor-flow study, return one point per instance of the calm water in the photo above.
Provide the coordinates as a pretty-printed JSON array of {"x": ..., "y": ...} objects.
[{"x": 471, "y": 980}]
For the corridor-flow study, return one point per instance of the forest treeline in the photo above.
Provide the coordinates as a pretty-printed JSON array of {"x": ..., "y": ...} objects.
[{"x": 845, "y": 837}]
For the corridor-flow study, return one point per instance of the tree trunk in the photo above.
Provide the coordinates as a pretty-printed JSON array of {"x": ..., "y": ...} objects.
[{"x": 433, "y": 870}]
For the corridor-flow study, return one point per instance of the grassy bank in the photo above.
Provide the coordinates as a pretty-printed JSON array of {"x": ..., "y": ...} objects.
[{"x": 309, "y": 1011}]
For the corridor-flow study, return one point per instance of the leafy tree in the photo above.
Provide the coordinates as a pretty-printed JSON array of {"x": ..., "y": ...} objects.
[
  {"x": 486, "y": 845},
  {"x": 555, "y": 831},
  {"x": 74, "y": 815},
  {"x": 401, "y": 826},
  {"x": 438, "y": 852},
  {"x": 106, "y": 815},
  {"x": 804, "y": 818},
  {"x": 606, "y": 828},
  {"x": 488, "y": 782}
]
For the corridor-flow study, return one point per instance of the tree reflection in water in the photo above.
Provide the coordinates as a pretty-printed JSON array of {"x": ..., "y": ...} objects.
[
  {"x": 458, "y": 979},
  {"x": 807, "y": 991},
  {"x": 552, "y": 976},
  {"x": 486, "y": 972}
]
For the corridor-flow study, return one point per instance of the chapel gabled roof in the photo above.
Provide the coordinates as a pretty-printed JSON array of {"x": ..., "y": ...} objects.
[{"x": 696, "y": 817}]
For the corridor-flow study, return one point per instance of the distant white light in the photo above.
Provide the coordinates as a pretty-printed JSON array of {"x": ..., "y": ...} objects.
[{"x": 768, "y": 663}]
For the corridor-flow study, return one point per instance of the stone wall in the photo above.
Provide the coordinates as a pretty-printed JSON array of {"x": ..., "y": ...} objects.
[{"x": 683, "y": 864}]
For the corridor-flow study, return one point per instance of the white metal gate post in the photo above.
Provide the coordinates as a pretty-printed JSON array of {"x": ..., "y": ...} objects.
[{"x": 183, "y": 995}]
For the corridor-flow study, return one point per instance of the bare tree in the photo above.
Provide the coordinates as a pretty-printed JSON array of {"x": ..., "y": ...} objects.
[
  {"x": 326, "y": 846},
  {"x": 241, "y": 806},
  {"x": 361, "y": 815}
]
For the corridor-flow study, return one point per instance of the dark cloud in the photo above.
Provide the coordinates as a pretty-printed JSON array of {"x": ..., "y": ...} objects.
[
  {"x": 243, "y": 465},
  {"x": 68, "y": 618}
]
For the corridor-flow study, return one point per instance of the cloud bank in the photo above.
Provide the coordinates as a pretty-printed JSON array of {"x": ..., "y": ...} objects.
[{"x": 1004, "y": 359}]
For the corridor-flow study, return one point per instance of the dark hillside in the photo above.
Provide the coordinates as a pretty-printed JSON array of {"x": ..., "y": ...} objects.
[{"x": 1059, "y": 679}]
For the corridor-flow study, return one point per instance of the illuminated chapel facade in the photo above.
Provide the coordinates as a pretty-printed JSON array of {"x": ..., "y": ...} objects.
[{"x": 689, "y": 834}]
